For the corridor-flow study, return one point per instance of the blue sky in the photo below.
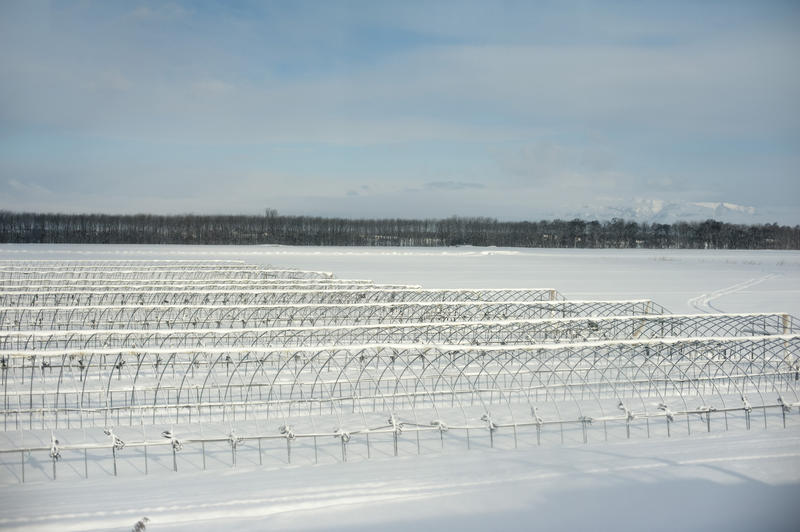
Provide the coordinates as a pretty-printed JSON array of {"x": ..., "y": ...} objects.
[{"x": 517, "y": 110}]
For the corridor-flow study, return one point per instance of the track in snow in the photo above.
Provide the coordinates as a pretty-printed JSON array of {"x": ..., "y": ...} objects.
[{"x": 703, "y": 301}]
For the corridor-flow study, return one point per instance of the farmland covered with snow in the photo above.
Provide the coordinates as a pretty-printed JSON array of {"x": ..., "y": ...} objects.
[{"x": 309, "y": 388}]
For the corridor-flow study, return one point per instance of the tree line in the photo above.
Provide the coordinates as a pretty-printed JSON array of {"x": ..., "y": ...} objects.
[{"x": 272, "y": 228}]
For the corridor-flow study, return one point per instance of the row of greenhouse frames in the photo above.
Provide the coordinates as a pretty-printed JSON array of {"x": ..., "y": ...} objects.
[{"x": 117, "y": 367}]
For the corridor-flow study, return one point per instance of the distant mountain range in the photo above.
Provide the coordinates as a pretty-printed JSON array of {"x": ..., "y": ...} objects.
[{"x": 660, "y": 211}]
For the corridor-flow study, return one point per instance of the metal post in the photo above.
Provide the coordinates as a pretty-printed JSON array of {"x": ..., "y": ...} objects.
[
  {"x": 86, "y": 464},
  {"x": 114, "y": 454}
]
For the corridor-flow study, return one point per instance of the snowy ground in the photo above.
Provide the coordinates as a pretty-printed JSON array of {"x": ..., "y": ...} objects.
[
  {"x": 682, "y": 280},
  {"x": 736, "y": 480},
  {"x": 724, "y": 481}
]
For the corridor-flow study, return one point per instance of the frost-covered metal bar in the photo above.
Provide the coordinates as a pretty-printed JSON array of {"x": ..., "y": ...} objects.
[
  {"x": 67, "y": 270},
  {"x": 111, "y": 265},
  {"x": 232, "y": 285},
  {"x": 577, "y": 380},
  {"x": 154, "y": 284},
  {"x": 267, "y": 297},
  {"x": 241, "y": 316},
  {"x": 107, "y": 263},
  {"x": 466, "y": 332},
  {"x": 160, "y": 273}
]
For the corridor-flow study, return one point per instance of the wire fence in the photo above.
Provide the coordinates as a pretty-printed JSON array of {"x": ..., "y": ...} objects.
[{"x": 392, "y": 436}]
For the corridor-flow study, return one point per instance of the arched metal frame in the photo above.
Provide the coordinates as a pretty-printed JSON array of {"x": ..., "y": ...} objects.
[
  {"x": 267, "y": 297},
  {"x": 685, "y": 367},
  {"x": 200, "y": 285},
  {"x": 67, "y": 273},
  {"x": 232, "y": 315},
  {"x": 545, "y": 330}
]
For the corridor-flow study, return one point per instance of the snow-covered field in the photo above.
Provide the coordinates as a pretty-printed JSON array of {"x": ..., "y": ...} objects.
[
  {"x": 734, "y": 480},
  {"x": 681, "y": 280}
]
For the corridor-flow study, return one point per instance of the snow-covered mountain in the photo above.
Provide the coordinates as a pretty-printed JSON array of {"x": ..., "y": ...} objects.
[{"x": 660, "y": 211}]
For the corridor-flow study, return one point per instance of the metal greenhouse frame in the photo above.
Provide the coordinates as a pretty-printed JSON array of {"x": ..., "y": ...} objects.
[
  {"x": 235, "y": 315},
  {"x": 194, "y": 358},
  {"x": 272, "y": 296}
]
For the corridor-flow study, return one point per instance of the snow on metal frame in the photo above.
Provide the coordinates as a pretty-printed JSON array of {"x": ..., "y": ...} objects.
[
  {"x": 211, "y": 297},
  {"x": 164, "y": 273},
  {"x": 462, "y": 332},
  {"x": 154, "y": 284},
  {"x": 235, "y": 315},
  {"x": 67, "y": 267},
  {"x": 583, "y": 378},
  {"x": 119, "y": 262},
  {"x": 206, "y": 287},
  {"x": 79, "y": 265}
]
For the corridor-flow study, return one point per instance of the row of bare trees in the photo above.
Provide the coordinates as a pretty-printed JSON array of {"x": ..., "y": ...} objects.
[{"x": 272, "y": 228}]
